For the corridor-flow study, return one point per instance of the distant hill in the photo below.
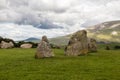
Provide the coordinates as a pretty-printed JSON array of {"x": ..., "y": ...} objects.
[
  {"x": 58, "y": 40},
  {"x": 107, "y": 32},
  {"x": 62, "y": 40},
  {"x": 32, "y": 39}
]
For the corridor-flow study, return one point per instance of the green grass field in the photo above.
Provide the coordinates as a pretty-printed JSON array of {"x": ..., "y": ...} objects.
[{"x": 20, "y": 64}]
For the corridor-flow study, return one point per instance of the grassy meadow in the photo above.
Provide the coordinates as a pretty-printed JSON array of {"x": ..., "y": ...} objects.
[{"x": 20, "y": 64}]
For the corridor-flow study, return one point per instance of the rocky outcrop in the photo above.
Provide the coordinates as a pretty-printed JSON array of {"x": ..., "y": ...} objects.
[
  {"x": 27, "y": 45},
  {"x": 44, "y": 49}
]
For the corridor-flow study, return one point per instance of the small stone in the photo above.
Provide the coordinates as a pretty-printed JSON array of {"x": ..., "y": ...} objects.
[
  {"x": 92, "y": 45},
  {"x": 27, "y": 45}
]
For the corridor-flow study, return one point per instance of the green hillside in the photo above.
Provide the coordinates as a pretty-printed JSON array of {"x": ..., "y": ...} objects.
[
  {"x": 62, "y": 40},
  {"x": 107, "y": 32}
]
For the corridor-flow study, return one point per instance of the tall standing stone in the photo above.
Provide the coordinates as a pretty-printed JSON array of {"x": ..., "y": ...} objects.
[
  {"x": 78, "y": 44},
  {"x": 44, "y": 49}
]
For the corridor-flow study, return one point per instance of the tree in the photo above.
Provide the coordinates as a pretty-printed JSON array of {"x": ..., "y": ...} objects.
[{"x": 1, "y": 39}]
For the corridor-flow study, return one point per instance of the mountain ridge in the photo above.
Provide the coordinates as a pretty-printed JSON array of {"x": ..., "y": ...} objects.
[{"x": 106, "y": 32}]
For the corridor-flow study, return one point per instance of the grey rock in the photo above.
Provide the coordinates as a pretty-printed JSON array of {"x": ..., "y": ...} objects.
[
  {"x": 92, "y": 45},
  {"x": 78, "y": 44},
  {"x": 27, "y": 45},
  {"x": 44, "y": 49},
  {"x": 5, "y": 45}
]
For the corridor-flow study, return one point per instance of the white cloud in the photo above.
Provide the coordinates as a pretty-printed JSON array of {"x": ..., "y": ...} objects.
[
  {"x": 3, "y": 4},
  {"x": 70, "y": 14},
  {"x": 20, "y": 32}
]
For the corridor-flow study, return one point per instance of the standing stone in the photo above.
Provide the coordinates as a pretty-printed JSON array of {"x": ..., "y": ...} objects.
[
  {"x": 27, "y": 45},
  {"x": 44, "y": 49},
  {"x": 78, "y": 44},
  {"x": 107, "y": 47},
  {"x": 5, "y": 45},
  {"x": 92, "y": 46}
]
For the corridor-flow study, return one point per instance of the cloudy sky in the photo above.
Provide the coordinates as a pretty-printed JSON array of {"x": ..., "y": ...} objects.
[{"x": 21, "y": 19}]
